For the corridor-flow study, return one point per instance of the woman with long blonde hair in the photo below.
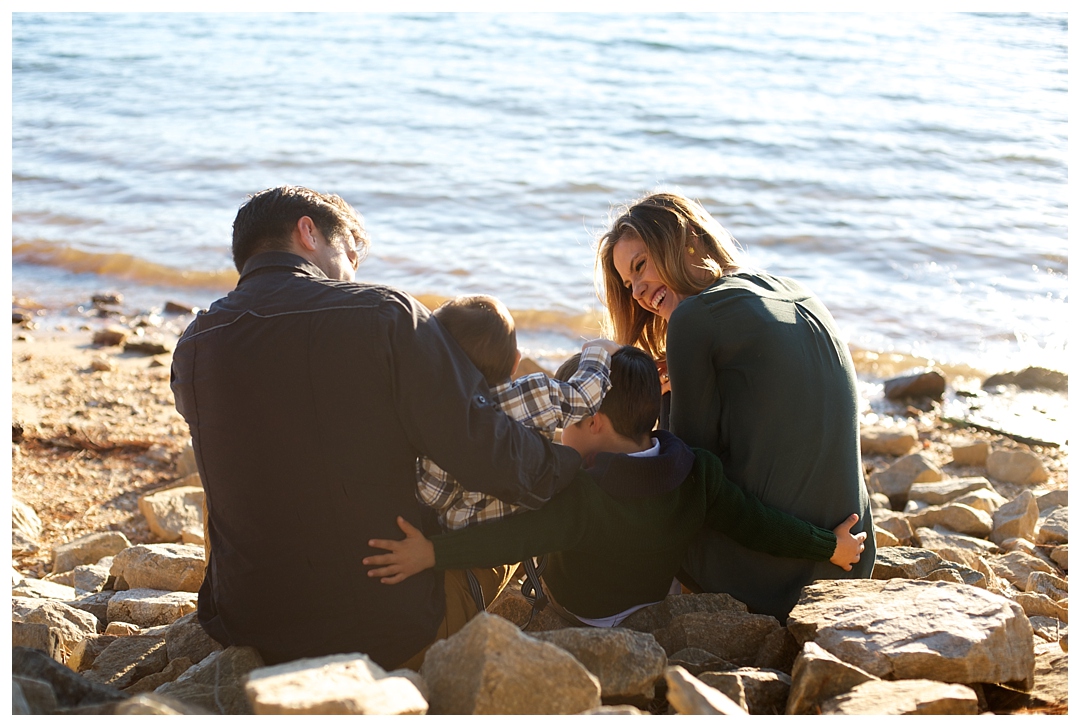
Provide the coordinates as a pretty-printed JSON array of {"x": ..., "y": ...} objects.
[{"x": 757, "y": 374}]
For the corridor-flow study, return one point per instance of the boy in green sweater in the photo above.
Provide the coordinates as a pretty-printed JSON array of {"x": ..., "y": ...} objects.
[{"x": 617, "y": 535}]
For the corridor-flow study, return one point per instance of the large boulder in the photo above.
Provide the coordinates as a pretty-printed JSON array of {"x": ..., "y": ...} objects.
[
  {"x": 161, "y": 566},
  {"x": 149, "y": 607},
  {"x": 627, "y": 663},
  {"x": 906, "y": 696},
  {"x": 216, "y": 684},
  {"x": 169, "y": 512},
  {"x": 338, "y": 684},
  {"x": 87, "y": 550},
  {"x": 491, "y": 667},
  {"x": 904, "y": 629}
]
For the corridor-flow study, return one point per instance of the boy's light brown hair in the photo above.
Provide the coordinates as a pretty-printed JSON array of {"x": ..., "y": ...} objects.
[{"x": 484, "y": 329}]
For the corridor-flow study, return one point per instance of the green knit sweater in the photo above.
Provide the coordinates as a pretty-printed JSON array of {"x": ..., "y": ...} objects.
[{"x": 618, "y": 534}]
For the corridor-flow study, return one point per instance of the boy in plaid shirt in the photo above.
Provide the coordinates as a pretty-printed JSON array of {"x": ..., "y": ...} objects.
[{"x": 484, "y": 329}]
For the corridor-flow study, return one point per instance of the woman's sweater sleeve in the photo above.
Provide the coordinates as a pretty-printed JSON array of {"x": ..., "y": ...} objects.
[
  {"x": 558, "y": 525},
  {"x": 752, "y": 523}
]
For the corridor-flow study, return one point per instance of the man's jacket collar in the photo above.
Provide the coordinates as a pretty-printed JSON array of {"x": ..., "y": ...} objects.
[{"x": 279, "y": 259}]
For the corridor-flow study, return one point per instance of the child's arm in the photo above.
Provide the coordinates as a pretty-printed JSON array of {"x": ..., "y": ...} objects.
[
  {"x": 406, "y": 557},
  {"x": 544, "y": 403},
  {"x": 750, "y": 522}
]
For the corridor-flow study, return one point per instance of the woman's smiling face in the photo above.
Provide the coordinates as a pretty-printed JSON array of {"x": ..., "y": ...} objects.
[{"x": 639, "y": 274}]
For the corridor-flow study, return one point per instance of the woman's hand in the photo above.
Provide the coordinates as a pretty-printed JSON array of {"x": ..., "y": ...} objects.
[
  {"x": 665, "y": 381},
  {"x": 406, "y": 558},
  {"x": 848, "y": 547}
]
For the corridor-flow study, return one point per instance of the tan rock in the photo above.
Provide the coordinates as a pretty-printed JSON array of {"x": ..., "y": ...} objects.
[
  {"x": 1060, "y": 556},
  {"x": 958, "y": 518},
  {"x": 882, "y": 440},
  {"x": 971, "y": 454},
  {"x": 897, "y": 525},
  {"x": 627, "y": 663},
  {"x": 1016, "y": 518},
  {"x": 936, "y": 539},
  {"x": 944, "y": 491},
  {"x": 655, "y": 617},
  {"x": 688, "y": 695},
  {"x": 38, "y": 636},
  {"x": 1037, "y": 604},
  {"x": 72, "y": 624},
  {"x": 109, "y": 336},
  {"x": 897, "y": 479},
  {"x": 904, "y": 562},
  {"x": 171, "y": 672},
  {"x": 87, "y": 651},
  {"x": 736, "y": 636},
  {"x": 906, "y": 696},
  {"x": 216, "y": 684},
  {"x": 986, "y": 499},
  {"x": 1047, "y": 584},
  {"x": 1020, "y": 467},
  {"x": 127, "y": 660},
  {"x": 818, "y": 675},
  {"x": 338, "y": 684},
  {"x": 1054, "y": 528},
  {"x": 186, "y": 638},
  {"x": 1053, "y": 498},
  {"x": 904, "y": 629},
  {"x": 885, "y": 539},
  {"x": 758, "y": 691},
  {"x": 25, "y": 528},
  {"x": 1016, "y": 567},
  {"x": 120, "y": 628},
  {"x": 148, "y": 607},
  {"x": 161, "y": 566},
  {"x": 37, "y": 588},
  {"x": 697, "y": 661},
  {"x": 185, "y": 463},
  {"x": 491, "y": 667},
  {"x": 88, "y": 550},
  {"x": 169, "y": 512}
]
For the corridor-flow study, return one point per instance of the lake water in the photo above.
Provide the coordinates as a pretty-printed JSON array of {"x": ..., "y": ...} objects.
[{"x": 911, "y": 170}]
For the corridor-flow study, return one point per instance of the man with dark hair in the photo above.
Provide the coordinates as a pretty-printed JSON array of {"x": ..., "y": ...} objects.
[
  {"x": 617, "y": 536},
  {"x": 309, "y": 398}
]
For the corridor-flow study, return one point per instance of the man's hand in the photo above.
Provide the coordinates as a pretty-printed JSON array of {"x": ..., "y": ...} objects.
[
  {"x": 610, "y": 346},
  {"x": 848, "y": 546},
  {"x": 406, "y": 558}
]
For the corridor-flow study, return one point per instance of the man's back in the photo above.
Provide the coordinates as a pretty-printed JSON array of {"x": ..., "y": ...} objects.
[{"x": 309, "y": 401}]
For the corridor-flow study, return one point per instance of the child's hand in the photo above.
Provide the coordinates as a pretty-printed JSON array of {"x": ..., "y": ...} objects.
[
  {"x": 406, "y": 558},
  {"x": 610, "y": 346},
  {"x": 848, "y": 546}
]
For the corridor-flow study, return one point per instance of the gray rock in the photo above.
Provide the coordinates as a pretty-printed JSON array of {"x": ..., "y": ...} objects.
[
  {"x": 1033, "y": 377},
  {"x": 91, "y": 578},
  {"x": 161, "y": 566},
  {"x": 660, "y": 615},
  {"x": 758, "y": 691},
  {"x": 87, "y": 651},
  {"x": 1054, "y": 530},
  {"x": 38, "y": 636},
  {"x": 1049, "y": 629},
  {"x": 1047, "y": 584},
  {"x": 897, "y": 479},
  {"x": 882, "y": 440},
  {"x": 970, "y": 454},
  {"x": 109, "y": 336},
  {"x": 512, "y": 606},
  {"x": 903, "y": 562},
  {"x": 491, "y": 667},
  {"x": 88, "y": 550},
  {"x": 70, "y": 689},
  {"x": 148, "y": 607},
  {"x": 37, "y": 588},
  {"x": 697, "y": 661},
  {"x": 1053, "y": 498},
  {"x": 338, "y": 684},
  {"x": 936, "y": 539},
  {"x": 1016, "y": 567},
  {"x": 627, "y": 663},
  {"x": 906, "y": 696},
  {"x": 186, "y": 638},
  {"x": 943, "y": 491},
  {"x": 22, "y": 605},
  {"x": 32, "y": 696},
  {"x": 127, "y": 660},
  {"x": 958, "y": 518},
  {"x": 1017, "y": 466},
  {"x": 929, "y": 383},
  {"x": 732, "y": 635},
  {"x": 1016, "y": 518},
  {"x": 169, "y": 512},
  {"x": 95, "y": 603},
  {"x": 73, "y": 625},
  {"x": 1037, "y": 604},
  {"x": 150, "y": 682},
  {"x": 148, "y": 704},
  {"x": 688, "y": 695},
  {"x": 817, "y": 676},
  {"x": 216, "y": 683},
  {"x": 903, "y": 629}
]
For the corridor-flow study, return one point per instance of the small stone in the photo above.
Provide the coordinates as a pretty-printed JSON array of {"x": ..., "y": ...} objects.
[
  {"x": 736, "y": 636},
  {"x": 688, "y": 695},
  {"x": 186, "y": 638},
  {"x": 72, "y": 624},
  {"x": 95, "y": 603},
  {"x": 1048, "y": 629},
  {"x": 885, "y": 539},
  {"x": 161, "y": 566},
  {"x": 185, "y": 463},
  {"x": 758, "y": 691},
  {"x": 661, "y": 614},
  {"x": 146, "y": 346},
  {"x": 37, "y": 588},
  {"x": 90, "y": 578},
  {"x": 1054, "y": 529},
  {"x": 168, "y": 512},
  {"x": 120, "y": 628},
  {"x": 127, "y": 660},
  {"x": 1016, "y": 518},
  {"x": 170, "y": 673},
  {"x": 100, "y": 363},
  {"x": 927, "y": 383},
  {"x": 1060, "y": 555},
  {"x": 985, "y": 499},
  {"x": 970, "y": 454},
  {"x": 87, "y": 651},
  {"x": 1053, "y": 498},
  {"x": 88, "y": 550},
  {"x": 905, "y": 562},
  {"x": 1036, "y": 604},
  {"x": 696, "y": 661},
  {"x": 958, "y": 518},
  {"x": 1016, "y": 466},
  {"x": 147, "y": 607},
  {"x": 905, "y": 696},
  {"x": 945, "y": 491},
  {"x": 109, "y": 336},
  {"x": 818, "y": 675},
  {"x": 38, "y": 636},
  {"x": 1016, "y": 567},
  {"x": 879, "y": 501},
  {"x": 897, "y": 524},
  {"x": 896, "y": 480},
  {"x": 338, "y": 684},
  {"x": 1047, "y": 584},
  {"x": 179, "y": 308},
  {"x": 881, "y": 440},
  {"x": 107, "y": 298}
]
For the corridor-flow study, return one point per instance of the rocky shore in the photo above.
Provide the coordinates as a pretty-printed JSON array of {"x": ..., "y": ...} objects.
[{"x": 967, "y": 612}]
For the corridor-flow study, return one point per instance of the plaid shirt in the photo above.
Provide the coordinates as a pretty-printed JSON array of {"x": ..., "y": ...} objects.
[{"x": 538, "y": 402}]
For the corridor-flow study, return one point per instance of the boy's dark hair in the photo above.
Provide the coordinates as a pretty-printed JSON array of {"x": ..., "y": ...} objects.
[
  {"x": 633, "y": 402},
  {"x": 484, "y": 329},
  {"x": 266, "y": 221}
]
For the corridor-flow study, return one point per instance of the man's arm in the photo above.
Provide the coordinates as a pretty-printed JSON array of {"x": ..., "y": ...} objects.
[{"x": 445, "y": 407}]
